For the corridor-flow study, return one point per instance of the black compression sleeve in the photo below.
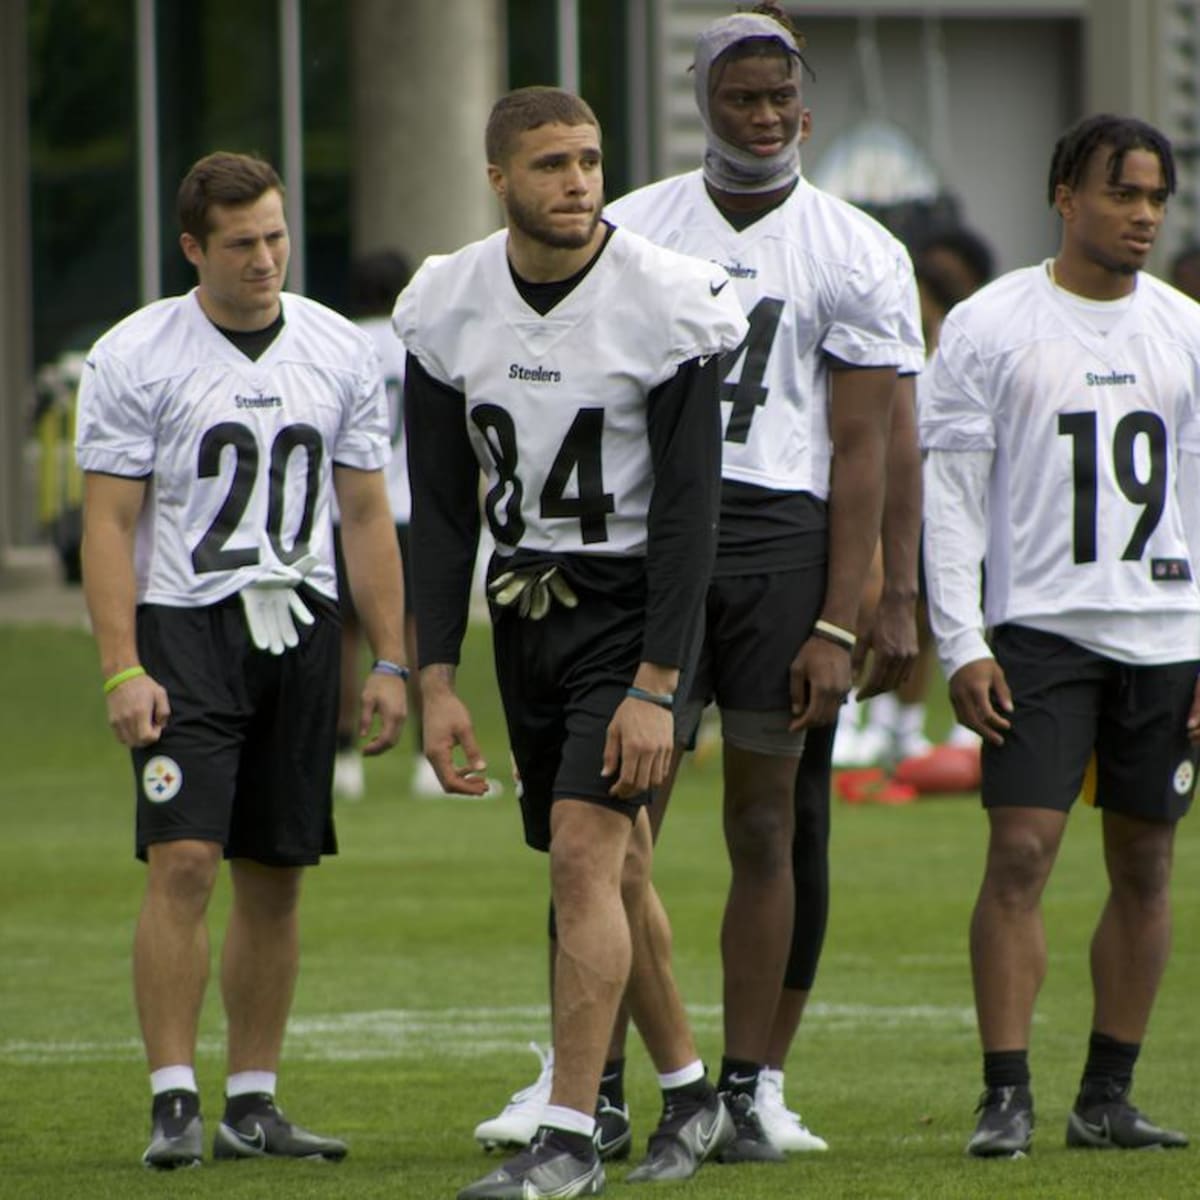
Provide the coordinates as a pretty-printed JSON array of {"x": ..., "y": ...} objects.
[
  {"x": 444, "y": 475},
  {"x": 684, "y": 428}
]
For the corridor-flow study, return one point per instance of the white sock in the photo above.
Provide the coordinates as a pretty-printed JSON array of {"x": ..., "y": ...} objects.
[
  {"x": 884, "y": 712},
  {"x": 910, "y": 719},
  {"x": 569, "y": 1120},
  {"x": 682, "y": 1077},
  {"x": 180, "y": 1078},
  {"x": 245, "y": 1083},
  {"x": 851, "y": 716},
  {"x": 960, "y": 735}
]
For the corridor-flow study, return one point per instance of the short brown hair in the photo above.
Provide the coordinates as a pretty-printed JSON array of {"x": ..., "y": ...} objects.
[
  {"x": 221, "y": 178},
  {"x": 530, "y": 108}
]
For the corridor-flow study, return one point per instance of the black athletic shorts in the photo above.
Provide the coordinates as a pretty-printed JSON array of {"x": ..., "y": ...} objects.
[
  {"x": 246, "y": 758},
  {"x": 345, "y": 596},
  {"x": 754, "y": 628},
  {"x": 560, "y": 681},
  {"x": 1071, "y": 704}
]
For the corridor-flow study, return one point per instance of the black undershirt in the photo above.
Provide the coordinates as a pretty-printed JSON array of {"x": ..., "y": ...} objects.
[
  {"x": 743, "y": 218},
  {"x": 542, "y": 297},
  {"x": 253, "y": 343}
]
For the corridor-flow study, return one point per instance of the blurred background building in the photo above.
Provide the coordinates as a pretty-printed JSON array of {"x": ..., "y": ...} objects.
[{"x": 374, "y": 112}]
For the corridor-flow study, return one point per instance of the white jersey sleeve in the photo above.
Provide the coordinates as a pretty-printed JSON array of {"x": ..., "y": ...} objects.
[
  {"x": 912, "y": 339},
  {"x": 1085, "y": 429},
  {"x": 237, "y": 453}
]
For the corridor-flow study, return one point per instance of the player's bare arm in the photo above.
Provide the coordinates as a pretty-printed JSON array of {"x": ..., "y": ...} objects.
[
  {"x": 446, "y": 726},
  {"x": 859, "y": 423},
  {"x": 377, "y": 584},
  {"x": 893, "y": 634},
  {"x": 981, "y": 699},
  {"x": 641, "y": 735},
  {"x": 137, "y": 706}
]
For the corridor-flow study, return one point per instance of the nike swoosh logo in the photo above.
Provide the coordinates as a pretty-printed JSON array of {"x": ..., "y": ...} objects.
[
  {"x": 255, "y": 1141},
  {"x": 706, "y": 1139},
  {"x": 742, "y": 1080},
  {"x": 717, "y": 288}
]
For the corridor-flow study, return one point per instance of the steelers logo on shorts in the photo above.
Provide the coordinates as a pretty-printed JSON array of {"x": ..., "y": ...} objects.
[
  {"x": 162, "y": 777},
  {"x": 1185, "y": 775}
]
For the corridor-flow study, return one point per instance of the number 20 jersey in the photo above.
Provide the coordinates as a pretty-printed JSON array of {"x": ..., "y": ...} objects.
[
  {"x": 557, "y": 403},
  {"x": 817, "y": 277},
  {"x": 236, "y": 453},
  {"x": 1085, "y": 432}
]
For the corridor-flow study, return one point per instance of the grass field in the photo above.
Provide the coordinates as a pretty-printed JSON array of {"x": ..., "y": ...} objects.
[{"x": 423, "y": 980}]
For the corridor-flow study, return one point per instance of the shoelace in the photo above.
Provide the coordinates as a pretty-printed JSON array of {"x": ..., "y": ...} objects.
[{"x": 531, "y": 1090}]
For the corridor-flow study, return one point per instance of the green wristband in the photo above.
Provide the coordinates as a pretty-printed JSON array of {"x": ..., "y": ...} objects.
[{"x": 114, "y": 681}]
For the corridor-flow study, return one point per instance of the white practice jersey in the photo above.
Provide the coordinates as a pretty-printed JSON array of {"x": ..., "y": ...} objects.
[
  {"x": 911, "y": 336},
  {"x": 557, "y": 404},
  {"x": 1085, "y": 433},
  {"x": 391, "y": 357},
  {"x": 817, "y": 277},
  {"x": 237, "y": 454}
]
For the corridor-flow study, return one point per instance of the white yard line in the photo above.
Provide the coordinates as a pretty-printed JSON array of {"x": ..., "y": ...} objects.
[{"x": 466, "y": 1032}]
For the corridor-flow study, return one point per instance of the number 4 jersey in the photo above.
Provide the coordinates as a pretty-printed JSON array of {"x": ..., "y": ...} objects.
[
  {"x": 817, "y": 278},
  {"x": 237, "y": 454},
  {"x": 1082, "y": 426}
]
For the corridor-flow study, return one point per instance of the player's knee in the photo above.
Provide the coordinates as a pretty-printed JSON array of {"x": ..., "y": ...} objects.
[
  {"x": 578, "y": 875},
  {"x": 183, "y": 871},
  {"x": 759, "y": 837},
  {"x": 1140, "y": 875},
  {"x": 635, "y": 876},
  {"x": 1018, "y": 865}
]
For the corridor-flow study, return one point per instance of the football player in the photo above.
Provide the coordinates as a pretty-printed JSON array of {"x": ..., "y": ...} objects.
[
  {"x": 1062, "y": 438},
  {"x": 577, "y": 364},
  {"x": 213, "y": 430}
]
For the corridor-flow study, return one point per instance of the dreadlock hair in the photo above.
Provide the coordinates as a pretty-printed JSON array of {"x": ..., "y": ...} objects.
[
  {"x": 1075, "y": 148},
  {"x": 772, "y": 9}
]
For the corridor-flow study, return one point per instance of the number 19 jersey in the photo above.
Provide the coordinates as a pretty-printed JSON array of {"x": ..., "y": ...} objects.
[
  {"x": 817, "y": 278},
  {"x": 1085, "y": 431},
  {"x": 236, "y": 453}
]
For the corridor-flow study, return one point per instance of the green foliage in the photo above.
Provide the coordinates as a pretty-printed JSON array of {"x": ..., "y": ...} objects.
[{"x": 424, "y": 976}]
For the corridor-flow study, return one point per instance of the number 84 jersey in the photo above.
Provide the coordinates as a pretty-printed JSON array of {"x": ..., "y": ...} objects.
[
  {"x": 236, "y": 453},
  {"x": 1086, "y": 431},
  {"x": 557, "y": 404}
]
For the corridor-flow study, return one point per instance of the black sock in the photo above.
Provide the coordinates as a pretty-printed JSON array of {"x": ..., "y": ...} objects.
[
  {"x": 738, "y": 1076},
  {"x": 612, "y": 1083},
  {"x": 346, "y": 741},
  {"x": 1005, "y": 1068},
  {"x": 578, "y": 1144},
  {"x": 1108, "y": 1062},
  {"x": 178, "y": 1103},
  {"x": 697, "y": 1090},
  {"x": 237, "y": 1107}
]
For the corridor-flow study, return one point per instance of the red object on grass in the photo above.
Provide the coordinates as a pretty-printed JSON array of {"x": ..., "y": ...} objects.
[{"x": 944, "y": 769}]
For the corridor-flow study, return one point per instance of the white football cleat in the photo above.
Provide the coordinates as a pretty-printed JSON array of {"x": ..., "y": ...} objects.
[
  {"x": 783, "y": 1127},
  {"x": 519, "y": 1121}
]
